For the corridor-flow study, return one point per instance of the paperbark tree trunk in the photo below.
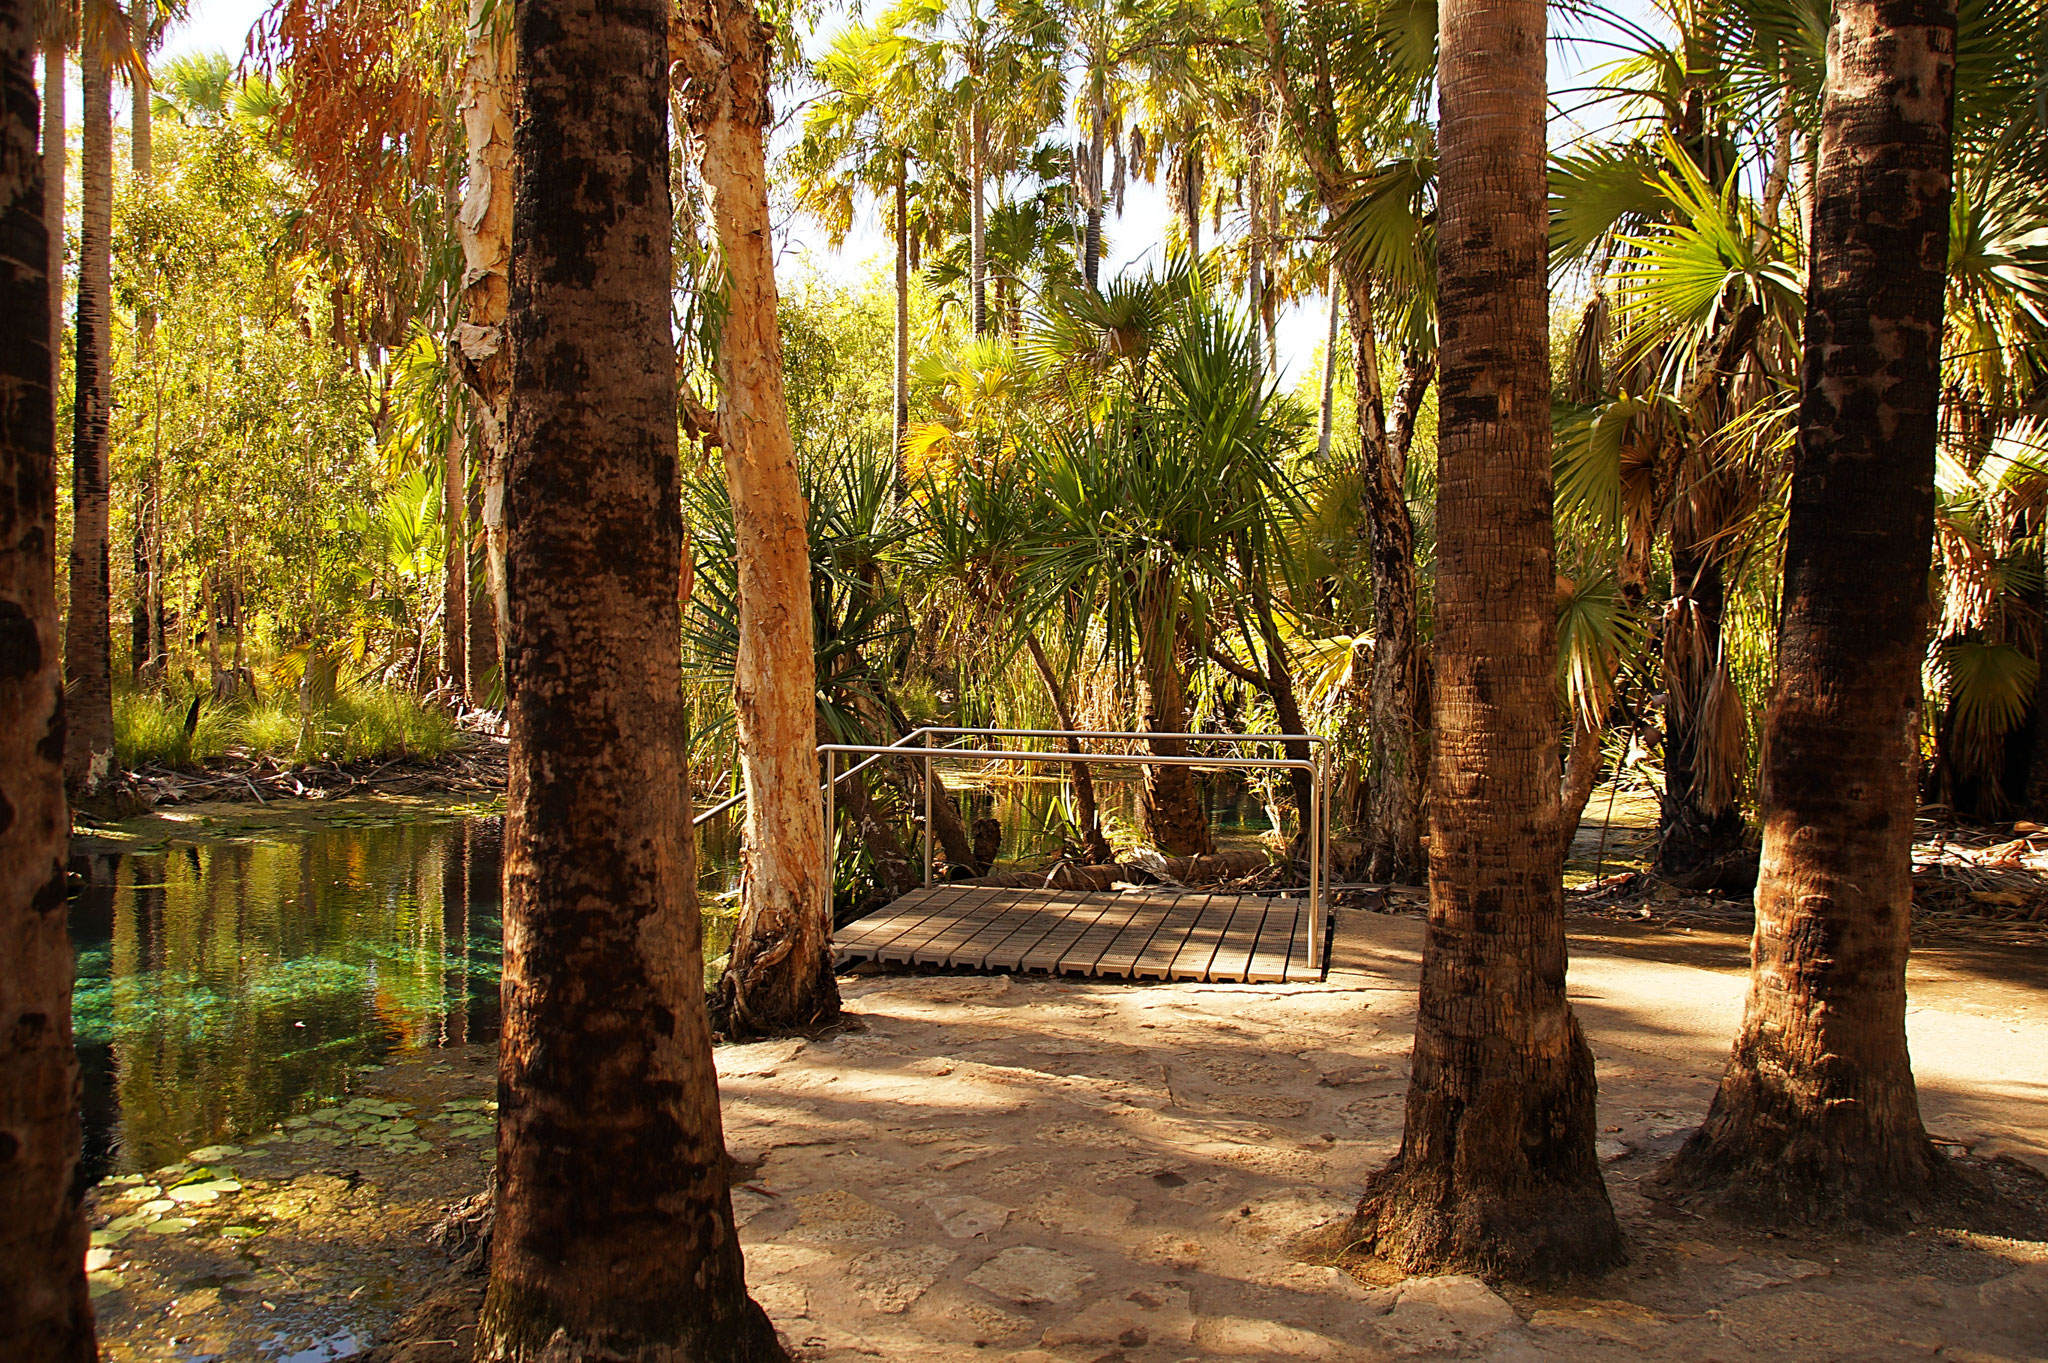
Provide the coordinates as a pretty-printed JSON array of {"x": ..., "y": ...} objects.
[
  {"x": 1327, "y": 416},
  {"x": 45, "y": 1312},
  {"x": 88, "y": 630},
  {"x": 1497, "y": 1173},
  {"x": 1817, "y": 1116},
  {"x": 780, "y": 975},
  {"x": 484, "y": 225},
  {"x": 614, "y": 1235}
]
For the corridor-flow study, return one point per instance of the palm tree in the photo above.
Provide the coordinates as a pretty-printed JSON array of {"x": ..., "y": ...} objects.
[
  {"x": 1817, "y": 1115},
  {"x": 1147, "y": 499},
  {"x": 42, "y": 1227},
  {"x": 614, "y": 1234},
  {"x": 780, "y": 971},
  {"x": 875, "y": 116},
  {"x": 57, "y": 34},
  {"x": 1005, "y": 83},
  {"x": 1497, "y": 1172},
  {"x": 88, "y": 642}
]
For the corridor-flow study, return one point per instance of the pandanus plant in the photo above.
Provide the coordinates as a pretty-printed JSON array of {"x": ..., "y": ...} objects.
[{"x": 1146, "y": 505}]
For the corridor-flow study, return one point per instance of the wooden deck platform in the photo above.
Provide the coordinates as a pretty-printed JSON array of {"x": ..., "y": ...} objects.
[{"x": 1136, "y": 935}]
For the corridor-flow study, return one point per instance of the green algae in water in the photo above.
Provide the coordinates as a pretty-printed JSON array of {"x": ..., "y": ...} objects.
[{"x": 242, "y": 969}]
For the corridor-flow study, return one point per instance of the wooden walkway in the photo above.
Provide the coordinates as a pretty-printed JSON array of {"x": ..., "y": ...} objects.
[{"x": 1138, "y": 936}]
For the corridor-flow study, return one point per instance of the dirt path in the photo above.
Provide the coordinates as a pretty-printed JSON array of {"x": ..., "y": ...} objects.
[{"x": 1036, "y": 1170}]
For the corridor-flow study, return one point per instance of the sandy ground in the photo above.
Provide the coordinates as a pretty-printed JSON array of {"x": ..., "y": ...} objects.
[{"x": 1092, "y": 1172}]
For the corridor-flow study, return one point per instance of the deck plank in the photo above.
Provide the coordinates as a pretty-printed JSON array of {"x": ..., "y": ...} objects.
[
  {"x": 1045, "y": 954},
  {"x": 1157, "y": 958},
  {"x": 1191, "y": 962},
  {"x": 1269, "y": 957},
  {"x": 1080, "y": 958},
  {"x": 1134, "y": 935},
  {"x": 1240, "y": 939},
  {"x": 1136, "y": 938}
]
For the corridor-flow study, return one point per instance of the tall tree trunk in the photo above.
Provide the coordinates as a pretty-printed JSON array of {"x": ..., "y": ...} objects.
[
  {"x": 88, "y": 638},
  {"x": 1191, "y": 201},
  {"x": 780, "y": 975},
  {"x": 45, "y": 1312},
  {"x": 1255, "y": 244},
  {"x": 1327, "y": 417},
  {"x": 1091, "y": 231},
  {"x": 1398, "y": 758},
  {"x": 455, "y": 558},
  {"x": 56, "y": 160},
  {"x": 1418, "y": 371},
  {"x": 1093, "y": 844},
  {"x": 146, "y": 609},
  {"x": 614, "y": 1235},
  {"x": 977, "y": 246},
  {"x": 1699, "y": 824},
  {"x": 901, "y": 372},
  {"x": 1497, "y": 1173},
  {"x": 484, "y": 225},
  {"x": 1817, "y": 1116},
  {"x": 1175, "y": 819}
]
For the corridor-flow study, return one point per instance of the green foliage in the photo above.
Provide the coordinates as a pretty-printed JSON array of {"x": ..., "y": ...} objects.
[{"x": 367, "y": 724}]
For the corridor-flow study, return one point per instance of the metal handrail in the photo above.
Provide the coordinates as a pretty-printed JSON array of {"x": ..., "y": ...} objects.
[{"x": 1318, "y": 811}]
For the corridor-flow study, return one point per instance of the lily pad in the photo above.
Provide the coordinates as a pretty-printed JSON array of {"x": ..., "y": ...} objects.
[
  {"x": 99, "y": 1284},
  {"x": 213, "y": 1154},
  {"x": 98, "y": 1258},
  {"x": 157, "y": 1207},
  {"x": 141, "y": 1192},
  {"x": 241, "y": 1232},
  {"x": 171, "y": 1225},
  {"x": 200, "y": 1193},
  {"x": 109, "y": 1236},
  {"x": 122, "y": 1180},
  {"x": 121, "y": 1225}
]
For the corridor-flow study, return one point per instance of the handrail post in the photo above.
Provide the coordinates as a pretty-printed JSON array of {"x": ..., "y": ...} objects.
[
  {"x": 1315, "y": 862},
  {"x": 927, "y": 741},
  {"x": 831, "y": 811}
]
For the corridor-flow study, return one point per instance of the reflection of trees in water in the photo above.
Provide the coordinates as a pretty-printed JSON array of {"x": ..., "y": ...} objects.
[{"x": 225, "y": 984}]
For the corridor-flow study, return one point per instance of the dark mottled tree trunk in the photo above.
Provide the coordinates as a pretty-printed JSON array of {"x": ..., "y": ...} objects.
[
  {"x": 780, "y": 975},
  {"x": 1817, "y": 1116},
  {"x": 88, "y": 629},
  {"x": 1175, "y": 819},
  {"x": 613, "y": 1236},
  {"x": 1398, "y": 761},
  {"x": 45, "y": 1313},
  {"x": 1497, "y": 1173}
]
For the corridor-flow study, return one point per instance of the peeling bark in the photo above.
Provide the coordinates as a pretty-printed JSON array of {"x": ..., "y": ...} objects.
[{"x": 780, "y": 976}]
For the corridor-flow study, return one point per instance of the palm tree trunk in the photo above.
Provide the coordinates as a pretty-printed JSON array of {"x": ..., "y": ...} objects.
[
  {"x": 902, "y": 366},
  {"x": 1093, "y": 844},
  {"x": 484, "y": 226},
  {"x": 88, "y": 642},
  {"x": 780, "y": 975},
  {"x": 142, "y": 539},
  {"x": 978, "y": 226},
  {"x": 48, "y": 1314},
  {"x": 1256, "y": 242},
  {"x": 1497, "y": 1171},
  {"x": 454, "y": 559},
  {"x": 1397, "y": 756},
  {"x": 1091, "y": 232},
  {"x": 1817, "y": 1115},
  {"x": 1175, "y": 819},
  {"x": 1326, "y": 421},
  {"x": 614, "y": 1233}
]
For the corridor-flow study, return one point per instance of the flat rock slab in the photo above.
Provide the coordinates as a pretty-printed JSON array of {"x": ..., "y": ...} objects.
[{"x": 1032, "y": 1276}]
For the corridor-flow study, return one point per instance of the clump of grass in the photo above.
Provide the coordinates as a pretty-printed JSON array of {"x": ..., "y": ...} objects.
[
  {"x": 378, "y": 725},
  {"x": 151, "y": 728},
  {"x": 361, "y": 725}
]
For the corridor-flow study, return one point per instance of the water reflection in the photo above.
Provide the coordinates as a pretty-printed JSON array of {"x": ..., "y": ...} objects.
[{"x": 227, "y": 981}]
